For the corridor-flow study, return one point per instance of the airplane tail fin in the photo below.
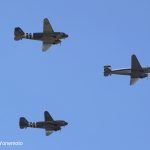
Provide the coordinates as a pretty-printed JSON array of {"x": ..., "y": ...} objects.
[
  {"x": 107, "y": 70},
  {"x": 18, "y": 33},
  {"x": 23, "y": 123}
]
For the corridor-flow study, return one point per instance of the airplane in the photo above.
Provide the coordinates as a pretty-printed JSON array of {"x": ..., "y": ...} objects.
[
  {"x": 136, "y": 72},
  {"x": 49, "y": 124},
  {"x": 48, "y": 36}
]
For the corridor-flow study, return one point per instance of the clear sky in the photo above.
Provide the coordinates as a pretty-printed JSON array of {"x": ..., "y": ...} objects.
[{"x": 103, "y": 113}]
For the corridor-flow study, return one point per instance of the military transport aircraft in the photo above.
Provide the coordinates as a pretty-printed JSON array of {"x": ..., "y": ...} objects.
[
  {"x": 49, "y": 124},
  {"x": 48, "y": 36},
  {"x": 136, "y": 72}
]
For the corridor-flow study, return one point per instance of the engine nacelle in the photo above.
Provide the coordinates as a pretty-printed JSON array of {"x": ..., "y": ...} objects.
[
  {"x": 57, "y": 128},
  {"x": 144, "y": 76},
  {"x": 57, "y": 42}
]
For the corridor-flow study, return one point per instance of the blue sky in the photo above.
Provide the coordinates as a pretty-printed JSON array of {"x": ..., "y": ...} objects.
[{"x": 103, "y": 113}]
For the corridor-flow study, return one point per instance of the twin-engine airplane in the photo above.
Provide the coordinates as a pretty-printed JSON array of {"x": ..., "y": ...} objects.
[
  {"x": 136, "y": 72},
  {"x": 49, "y": 124},
  {"x": 48, "y": 36}
]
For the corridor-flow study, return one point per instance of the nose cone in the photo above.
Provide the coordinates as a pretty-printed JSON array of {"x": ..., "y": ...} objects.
[
  {"x": 66, "y": 35},
  {"x": 65, "y": 123}
]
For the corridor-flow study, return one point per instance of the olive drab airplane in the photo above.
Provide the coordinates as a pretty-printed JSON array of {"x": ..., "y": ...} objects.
[
  {"x": 48, "y": 36},
  {"x": 136, "y": 72},
  {"x": 50, "y": 125}
]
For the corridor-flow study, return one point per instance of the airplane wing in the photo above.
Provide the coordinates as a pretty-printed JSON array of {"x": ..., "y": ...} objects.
[
  {"x": 47, "y": 116},
  {"x": 133, "y": 81},
  {"x": 48, "y": 132},
  {"x": 47, "y": 28},
  {"x": 46, "y": 46},
  {"x": 135, "y": 65}
]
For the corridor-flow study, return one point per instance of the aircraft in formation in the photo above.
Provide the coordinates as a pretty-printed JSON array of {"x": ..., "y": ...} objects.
[
  {"x": 49, "y": 124},
  {"x": 135, "y": 72},
  {"x": 48, "y": 36}
]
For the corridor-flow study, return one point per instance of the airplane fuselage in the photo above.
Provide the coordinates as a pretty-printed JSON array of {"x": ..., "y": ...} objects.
[
  {"x": 129, "y": 72},
  {"x": 48, "y": 125},
  {"x": 53, "y": 38}
]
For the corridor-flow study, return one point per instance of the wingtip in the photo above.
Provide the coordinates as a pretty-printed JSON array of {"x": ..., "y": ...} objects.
[
  {"x": 46, "y": 111},
  {"x": 131, "y": 84},
  {"x": 43, "y": 50},
  {"x": 133, "y": 55},
  {"x": 46, "y": 19}
]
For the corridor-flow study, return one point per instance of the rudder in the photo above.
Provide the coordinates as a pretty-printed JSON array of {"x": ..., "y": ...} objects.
[
  {"x": 107, "y": 70},
  {"x": 18, "y": 33},
  {"x": 23, "y": 123}
]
